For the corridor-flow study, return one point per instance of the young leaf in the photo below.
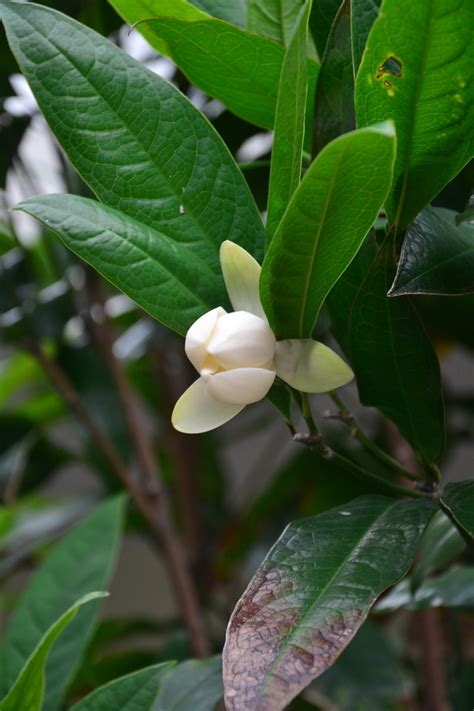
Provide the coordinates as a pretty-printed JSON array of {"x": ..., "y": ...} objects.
[
  {"x": 311, "y": 595},
  {"x": 133, "y": 692},
  {"x": 134, "y": 138},
  {"x": 458, "y": 498},
  {"x": 287, "y": 148},
  {"x": 334, "y": 99},
  {"x": 363, "y": 16},
  {"x": 437, "y": 256},
  {"x": 195, "y": 684},
  {"x": 416, "y": 71},
  {"x": 323, "y": 227},
  {"x": 274, "y": 18},
  {"x": 27, "y": 693},
  {"x": 393, "y": 360},
  {"x": 138, "y": 259},
  {"x": 82, "y": 560}
]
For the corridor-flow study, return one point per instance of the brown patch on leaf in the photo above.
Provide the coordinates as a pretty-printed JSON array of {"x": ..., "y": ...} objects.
[
  {"x": 392, "y": 66},
  {"x": 262, "y": 672}
]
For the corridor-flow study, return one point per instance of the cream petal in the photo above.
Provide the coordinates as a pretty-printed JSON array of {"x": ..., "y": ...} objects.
[
  {"x": 241, "y": 386},
  {"x": 198, "y": 335},
  {"x": 241, "y": 275},
  {"x": 197, "y": 411},
  {"x": 241, "y": 339},
  {"x": 310, "y": 366}
]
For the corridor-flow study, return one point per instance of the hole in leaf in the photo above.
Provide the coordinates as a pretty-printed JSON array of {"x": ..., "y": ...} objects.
[{"x": 392, "y": 66}]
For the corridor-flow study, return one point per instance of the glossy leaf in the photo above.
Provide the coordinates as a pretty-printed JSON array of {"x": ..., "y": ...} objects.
[
  {"x": 334, "y": 100},
  {"x": 323, "y": 227},
  {"x": 437, "y": 256},
  {"x": 27, "y": 693},
  {"x": 323, "y": 14},
  {"x": 274, "y": 18},
  {"x": 459, "y": 499},
  {"x": 416, "y": 71},
  {"x": 133, "y": 692},
  {"x": 363, "y": 15},
  {"x": 468, "y": 214},
  {"x": 441, "y": 545},
  {"x": 137, "y": 259},
  {"x": 195, "y": 684},
  {"x": 285, "y": 171},
  {"x": 54, "y": 587},
  {"x": 134, "y": 138},
  {"x": 393, "y": 360},
  {"x": 312, "y": 593}
]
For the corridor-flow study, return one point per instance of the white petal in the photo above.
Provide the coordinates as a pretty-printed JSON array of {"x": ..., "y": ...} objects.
[
  {"x": 310, "y": 366},
  {"x": 197, "y": 411},
  {"x": 198, "y": 336},
  {"x": 241, "y": 275},
  {"x": 240, "y": 339},
  {"x": 241, "y": 386}
]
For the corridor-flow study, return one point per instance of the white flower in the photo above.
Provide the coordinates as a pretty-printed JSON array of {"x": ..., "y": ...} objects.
[{"x": 238, "y": 358}]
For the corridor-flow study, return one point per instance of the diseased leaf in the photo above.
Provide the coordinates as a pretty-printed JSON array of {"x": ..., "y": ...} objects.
[
  {"x": 27, "y": 693},
  {"x": 323, "y": 227},
  {"x": 274, "y": 18},
  {"x": 458, "y": 498},
  {"x": 136, "y": 258},
  {"x": 437, "y": 256},
  {"x": 363, "y": 16},
  {"x": 416, "y": 71},
  {"x": 384, "y": 339},
  {"x": 334, "y": 99},
  {"x": 287, "y": 148},
  {"x": 311, "y": 595},
  {"x": 133, "y": 692},
  {"x": 134, "y": 138},
  {"x": 195, "y": 684},
  {"x": 53, "y": 588}
]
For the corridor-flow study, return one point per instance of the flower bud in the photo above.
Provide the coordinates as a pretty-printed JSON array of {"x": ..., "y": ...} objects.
[{"x": 241, "y": 340}]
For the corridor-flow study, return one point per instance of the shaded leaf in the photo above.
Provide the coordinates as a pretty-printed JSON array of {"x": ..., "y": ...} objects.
[
  {"x": 393, "y": 360},
  {"x": 437, "y": 256},
  {"x": 458, "y": 498},
  {"x": 468, "y": 214},
  {"x": 454, "y": 588},
  {"x": 287, "y": 148},
  {"x": 134, "y": 138},
  {"x": 323, "y": 14},
  {"x": 441, "y": 544},
  {"x": 312, "y": 593},
  {"x": 363, "y": 16},
  {"x": 334, "y": 99},
  {"x": 416, "y": 70},
  {"x": 136, "y": 691},
  {"x": 58, "y": 582},
  {"x": 195, "y": 684},
  {"x": 323, "y": 227},
  {"x": 27, "y": 693}
]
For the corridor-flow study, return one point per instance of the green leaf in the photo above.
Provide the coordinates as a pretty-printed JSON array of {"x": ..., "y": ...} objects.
[
  {"x": 135, "y": 139},
  {"x": 311, "y": 595},
  {"x": 363, "y": 15},
  {"x": 323, "y": 14},
  {"x": 326, "y": 221},
  {"x": 458, "y": 498},
  {"x": 54, "y": 587},
  {"x": 27, "y": 693},
  {"x": 195, "y": 684},
  {"x": 285, "y": 171},
  {"x": 394, "y": 362},
  {"x": 416, "y": 71},
  {"x": 234, "y": 11},
  {"x": 453, "y": 588},
  {"x": 468, "y": 214},
  {"x": 274, "y": 18},
  {"x": 334, "y": 100},
  {"x": 137, "y": 259},
  {"x": 133, "y": 692},
  {"x": 437, "y": 256},
  {"x": 442, "y": 543}
]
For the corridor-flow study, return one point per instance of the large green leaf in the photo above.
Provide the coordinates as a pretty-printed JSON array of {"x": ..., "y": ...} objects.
[
  {"x": 136, "y": 258},
  {"x": 458, "y": 499},
  {"x": 287, "y": 148},
  {"x": 312, "y": 593},
  {"x": 27, "y": 693},
  {"x": 273, "y": 18},
  {"x": 363, "y": 15},
  {"x": 195, "y": 684},
  {"x": 394, "y": 362},
  {"x": 134, "y": 138},
  {"x": 323, "y": 14},
  {"x": 81, "y": 561},
  {"x": 133, "y": 692},
  {"x": 437, "y": 256},
  {"x": 453, "y": 588},
  {"x": 323, "y": 227},
  {"x": 416, "y": 70},
  {"x": 334, "y": 99},
  {"x": 231, "y": 10}
]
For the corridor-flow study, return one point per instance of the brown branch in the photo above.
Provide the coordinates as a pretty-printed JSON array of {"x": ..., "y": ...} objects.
[{"x": 151, "y": 500}]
